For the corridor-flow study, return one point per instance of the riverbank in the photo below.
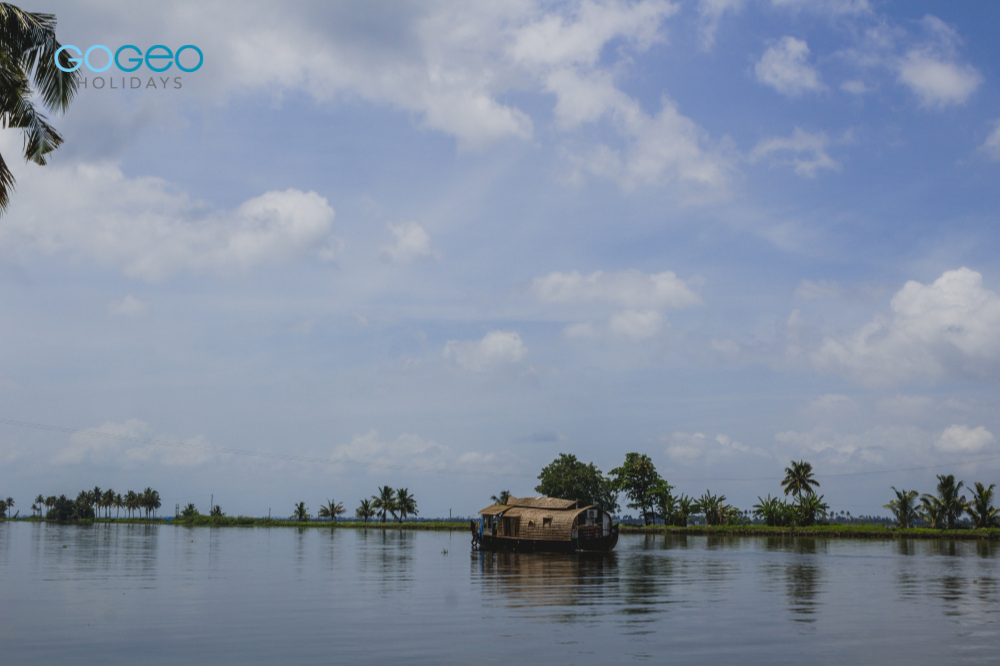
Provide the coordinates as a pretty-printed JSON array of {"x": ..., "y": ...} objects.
[
  {"x": 826, "y": 531},
  {"x": 249, "y": 521}
]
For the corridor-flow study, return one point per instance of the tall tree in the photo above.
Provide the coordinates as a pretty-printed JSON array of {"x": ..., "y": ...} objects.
[
  {"x": 980, "y": 508},
  {"x": 301, "y": 512},
  {"x": 406, "y": 505},
  {"x": 365, "y": 510},
  {"x": 568, "y": 478},
  {"x": 108, "y": 502},
  {"x": 637, "y": 478},
  {"x": 384, "y": 502},
  {"x": 950, "y": 500},
  {"x": 799, "y": 479},
  {"x": 503, "y": 497},
  {"x": 904, "y": 507},
  {"x": 331, "y": 510},
  {"x": 28, "y": 47}
]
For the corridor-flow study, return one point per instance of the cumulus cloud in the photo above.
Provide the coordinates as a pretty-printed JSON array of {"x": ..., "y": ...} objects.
[
  {"x": 933, "y": 71},
  {"x": 947, "y": 328},
  {"x": 711, "y": 12},
  {"x": 683, "y": 447},
  {"x": 784, "y": 66},
  {"x": 631, "y": 289},
  {"x": 496, "y": 350},
  {"x": 991, "y": 147},
  {"x": 642, "y": 299},
  {"x": 149, "y": 230},
  {"x": 962, "y": 439},
  {"x": 410, "y": 453},
  {"x": 411, "y": 242},
  {"x": 129, "y": 306},
  {"x": 804, "y": 151},
  {"x": 133, "y": 443}
]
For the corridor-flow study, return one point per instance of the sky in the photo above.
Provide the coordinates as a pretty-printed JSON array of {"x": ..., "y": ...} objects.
[{"x": 434, "y": 245}]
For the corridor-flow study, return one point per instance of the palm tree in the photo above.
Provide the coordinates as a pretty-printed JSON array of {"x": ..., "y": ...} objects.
[
  {"x": 108, "y": 501},
  {"x": 40, "y": 502},
  {"x": 774, "y": 511},
  {"x": 366, "y": 510},
  {"x": 331, "y": 510},
  {"x": 301, "y": 512},
  {"x": 405, "y": 504},
  {"x": 952, "y": 503},
  {"x": 904, "y": 507},
  {"x": 931, "y": 510},
  {"x": 809, "y": 506},
  {"x": 501, "y": 498},
  {"x": 714, "y": 507},
  {"x": 385, "y": 502},
  {"x": 27, "y": 51},
  {"x": 3, "y": 509},
  {"x": 132, "y": 502},
  {"x": 980, "y": 508},
  {"x": 799, "y": 479},
  {"x": 10, "y": 503},
  {"x": 119, "y": 504}
]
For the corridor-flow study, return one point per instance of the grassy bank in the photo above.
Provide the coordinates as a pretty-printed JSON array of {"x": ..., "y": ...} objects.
[{"x": 832, "y": 531}]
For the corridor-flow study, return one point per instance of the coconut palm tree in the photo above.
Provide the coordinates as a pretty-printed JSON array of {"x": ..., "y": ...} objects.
[
  {"x": 501, "y": 498},
  {"x": 10, "y": 503},
  {"x": 809, "y": 507},
  {"x": 331, "y": 510},
  {"x": 119, "y": 504},
  {"x": 904, "y": 507},
  {"x": 980, "y": 508},
  {"x": 366, "y": 510},
  {"x": 405, "y": 504},
  {"x": 108, "y": 501},
  {"x": 384, "y": 502},
  {"x": 799, "y": 479},
  {"x": 27, "y": 55},
  {"x": 951, "y": 501},
  {"x": 132, "y": 502},
  {"x": 40, "y": 503},
  {"x": 301, "y": 512},
  {"x": 932, "y": 510},
  {"x": 3, "y": 508}
]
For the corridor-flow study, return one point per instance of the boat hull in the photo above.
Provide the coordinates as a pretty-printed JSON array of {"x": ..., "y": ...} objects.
[{"x": 514, "y": 545}]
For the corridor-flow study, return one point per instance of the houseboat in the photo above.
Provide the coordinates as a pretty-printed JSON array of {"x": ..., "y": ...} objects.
[{"x": 544, "y": 524}]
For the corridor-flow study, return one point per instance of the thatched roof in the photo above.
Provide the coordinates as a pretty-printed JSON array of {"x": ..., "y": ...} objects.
[
  {"x": 551, "y": 503},
  {"x": 493, "y": 509}
]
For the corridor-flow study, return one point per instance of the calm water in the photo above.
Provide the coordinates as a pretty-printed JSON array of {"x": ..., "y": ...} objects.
[{"x": 126, "y": 594}]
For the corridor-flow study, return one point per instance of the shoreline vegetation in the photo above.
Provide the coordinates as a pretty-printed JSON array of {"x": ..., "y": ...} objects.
[{"x": 833, "y": 531}]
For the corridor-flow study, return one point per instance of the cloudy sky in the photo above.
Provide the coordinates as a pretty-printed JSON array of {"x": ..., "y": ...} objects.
[{"x": 436, "y": 244}]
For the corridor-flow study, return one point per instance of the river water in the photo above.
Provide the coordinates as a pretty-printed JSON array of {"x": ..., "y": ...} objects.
[{"x": 151, "y": 594}]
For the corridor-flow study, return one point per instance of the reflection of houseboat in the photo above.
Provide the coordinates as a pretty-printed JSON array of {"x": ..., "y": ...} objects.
[{"x": 532, "y": 524}]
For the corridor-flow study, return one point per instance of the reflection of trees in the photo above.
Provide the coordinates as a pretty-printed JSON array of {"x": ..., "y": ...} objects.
[
  {"x": 578, "y": 584},
  {"x": 385, "y": 558},
  {"x": 802, "y": 573}
]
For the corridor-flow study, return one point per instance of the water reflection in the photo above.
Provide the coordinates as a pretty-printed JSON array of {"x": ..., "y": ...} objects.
[
  {"x": 562, "y": 587},
  {"x": 385, "y": 558},
  {"x": 801, "y": 572}
]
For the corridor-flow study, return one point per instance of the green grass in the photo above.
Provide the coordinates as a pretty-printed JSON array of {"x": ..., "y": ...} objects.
[{"x": 833, "y": 531}]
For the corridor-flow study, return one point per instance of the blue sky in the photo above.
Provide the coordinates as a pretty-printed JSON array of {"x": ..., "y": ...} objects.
[{"x": 434, "y": 245}]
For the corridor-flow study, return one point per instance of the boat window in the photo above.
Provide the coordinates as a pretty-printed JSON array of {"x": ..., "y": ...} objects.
[{"x": 547, "y": 521}]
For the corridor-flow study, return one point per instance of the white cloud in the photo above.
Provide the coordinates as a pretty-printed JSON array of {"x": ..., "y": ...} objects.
[
  {"x": 711, "y": 12},
  {"x": 962, "y": 439},
  {"x": 631, "y": 289},
  {"x": 991, "y": 147},
  {"x": 822, "y": 290},
  {"x": 149, "y": 230},
  {"x": 635, "y": 325},
  {"x": 130, "y": 444},
  {"x": 943, "y": 329},
  {"x": 807, "y": 152},
  {"x": 641, "y": 297},
  {"x": 411, "y": 242},
  {"x": 129, "y": 306},
  {"x": 936, "y": 82},
  {"x": 784, "y": 67},
  {"x": 686, "y": 448},
  {"x": 854, "y": 87},
  {"x": 832, "y": 7},
  {"x": 496, "y": 350}
]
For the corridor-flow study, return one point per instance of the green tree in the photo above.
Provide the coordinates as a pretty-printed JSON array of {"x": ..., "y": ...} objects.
[
  {"x": 799, "y": 479},
  {"x": 40, "y": 503},
  {"x": 637, "y": 478},
  {"x": 119, "y": 504},
  {"x": 107, "y": 502},
  {"x": 301, "y": 512},
  {"x": 331, "y": 510},
  {"x": 190, "y": 511},
  {"x": 217, "y": 512},
  {"x": 132, "y": 502},
  {"x": 27, "y": 55},
  {"x": 774, "y": 511},
  {"x": 502, "y": 497},
  {"x": 950, "y": 503},
  {"x": 3, "y": 508},
  {"x": 904, "y": 507},
  {"x": 980, "y": 508},
  {"x": 685, "y": 507},
  {"x": 568, "y": 478},
  {"x": 932, "y": 510},
  {"x": 365, "y": 510},
  {"x": 664, "y": 502},
  {"x": 809, "y": 508},
  {"x": 405, "y": 504},
  {"x": 384, "y": 502},
  {"x": 714, "y": 507}
]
